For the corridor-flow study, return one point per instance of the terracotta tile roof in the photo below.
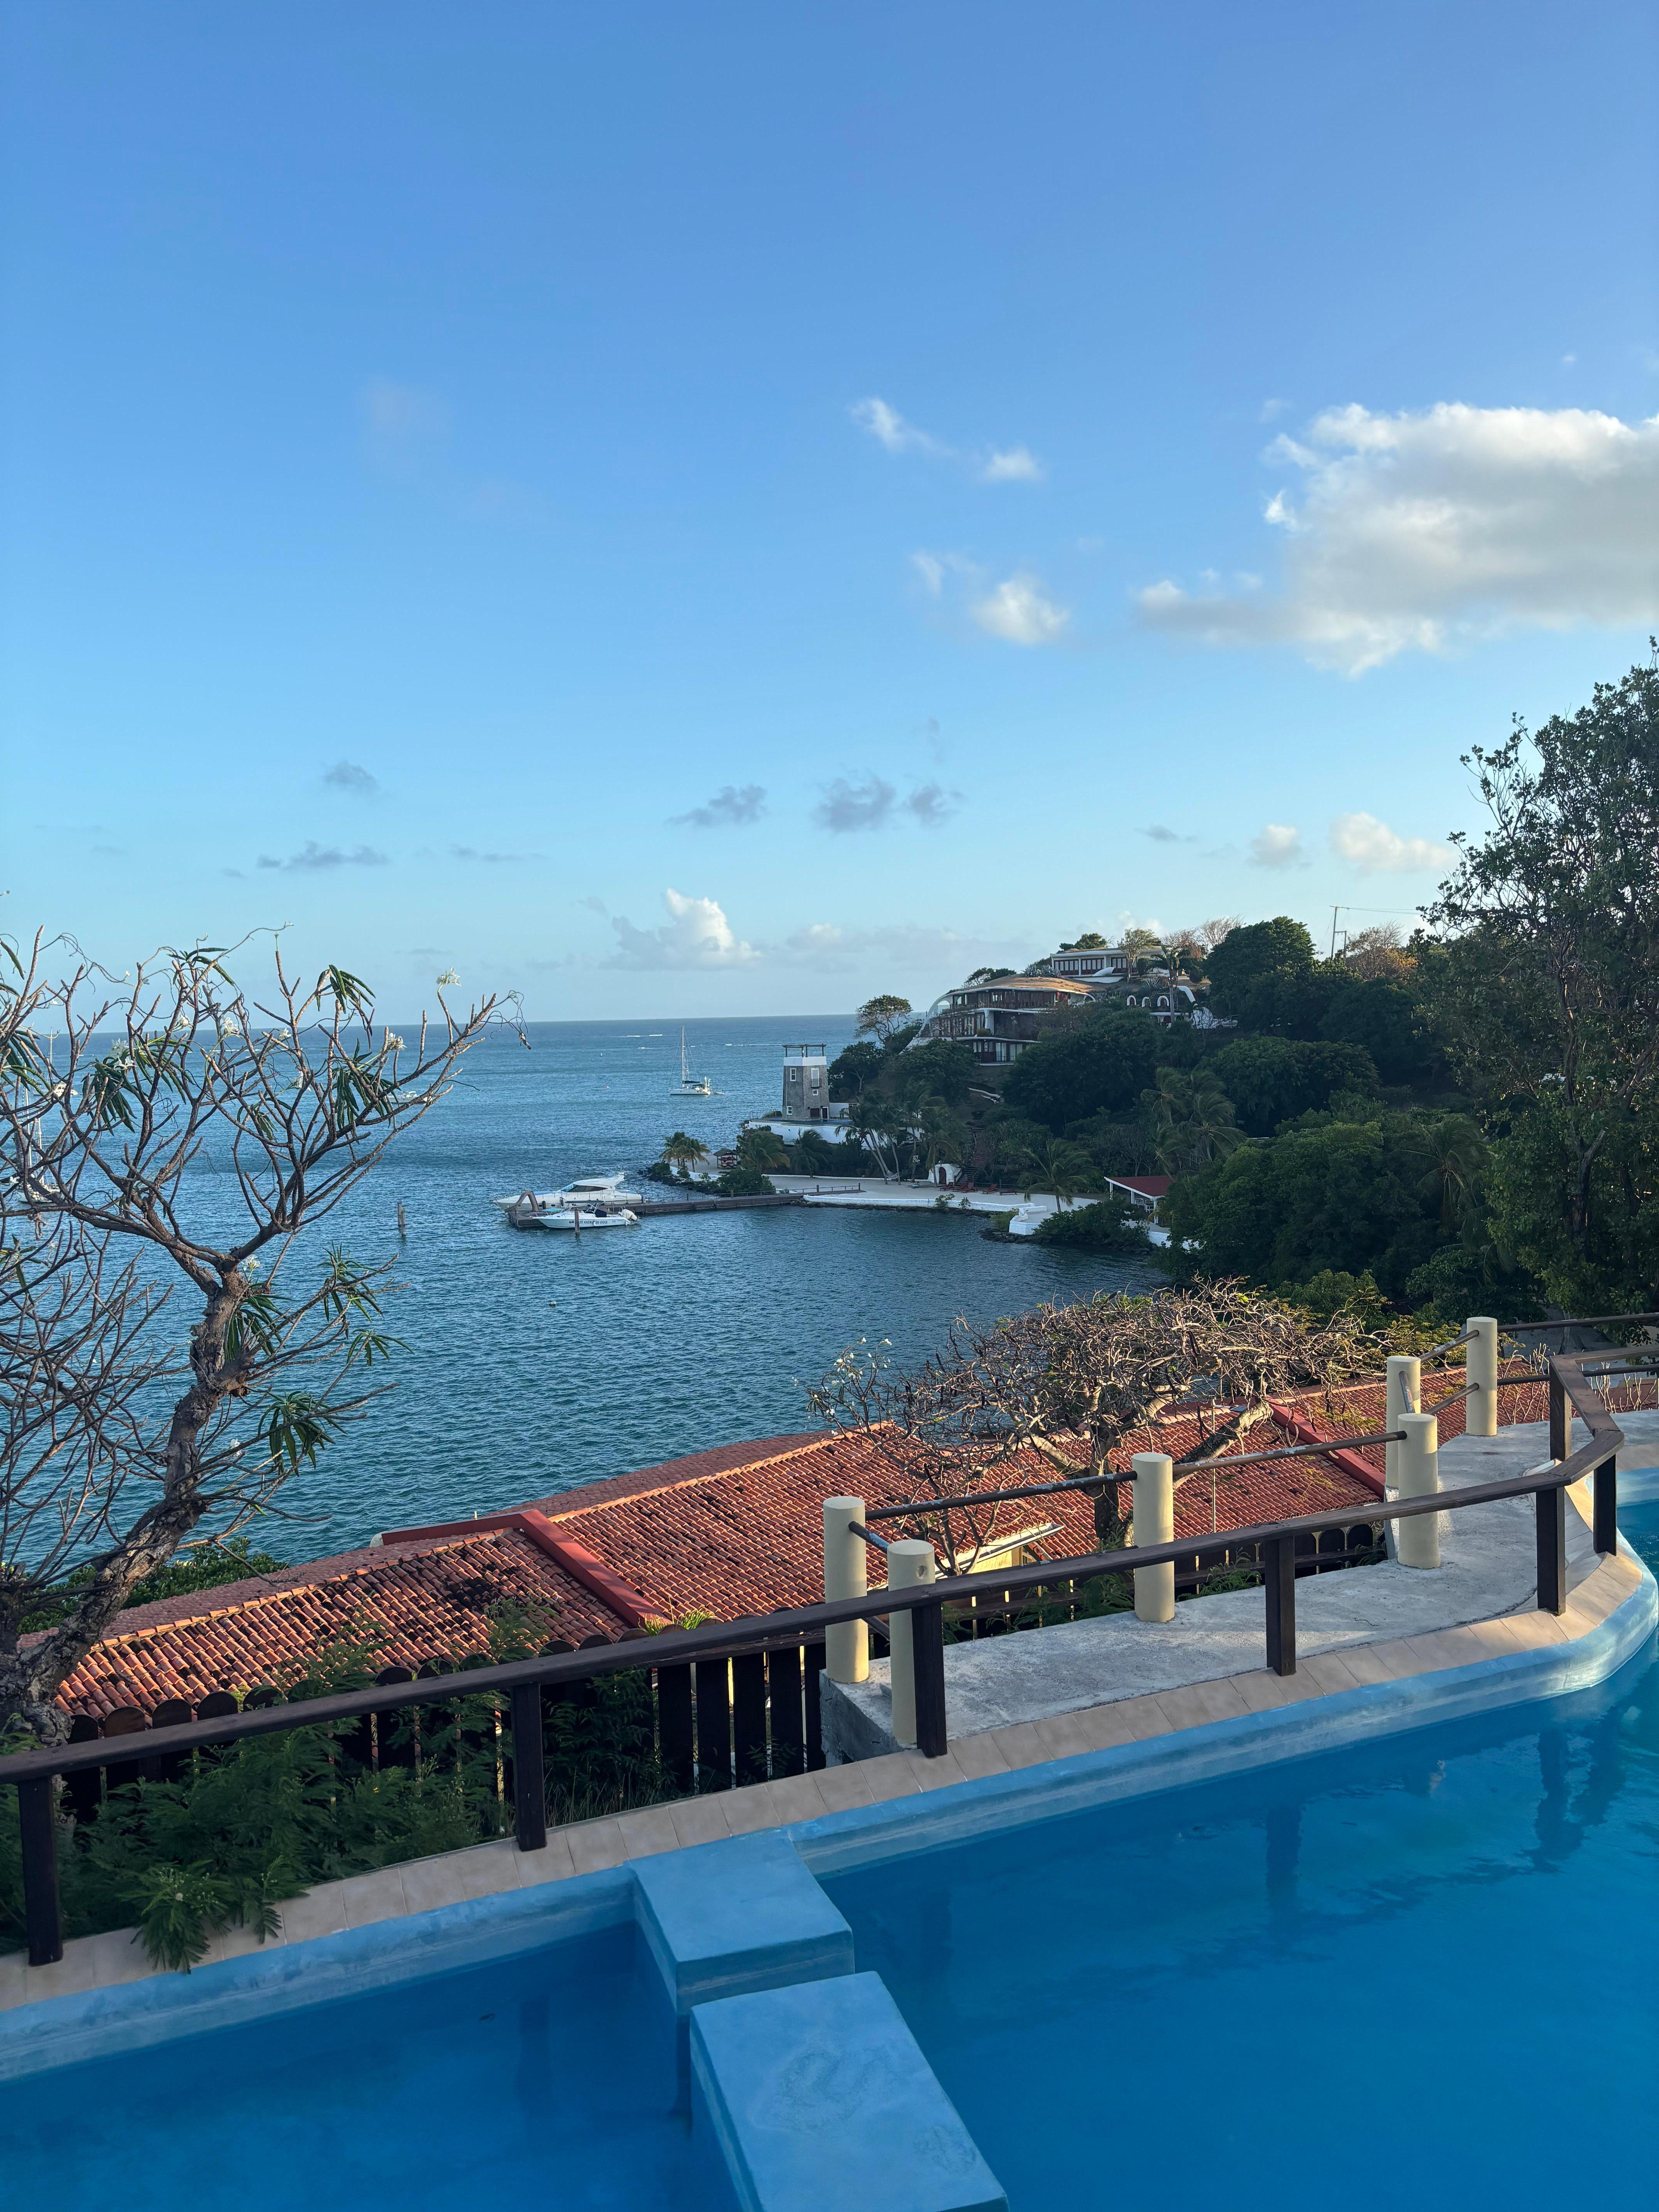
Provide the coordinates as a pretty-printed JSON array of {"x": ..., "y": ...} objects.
[
  {"x": 726, "y": 1532},
  {"x": 419, "y": 1602}
]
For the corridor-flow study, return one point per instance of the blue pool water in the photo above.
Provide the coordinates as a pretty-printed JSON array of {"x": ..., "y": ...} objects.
[
  {"x": 546, "y": 2081},
  {"x": 1424, "y": 1972}
]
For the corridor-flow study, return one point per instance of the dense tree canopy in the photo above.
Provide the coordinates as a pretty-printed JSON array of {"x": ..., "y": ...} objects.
[
  {"x": 1104, "y": 1066},
  {"x": 1356, "y": 1196},
  {"x": 1547, "y": 991},
  {"x": 1245, "y": 956},
  {"x": 1272, "y": 1079}
]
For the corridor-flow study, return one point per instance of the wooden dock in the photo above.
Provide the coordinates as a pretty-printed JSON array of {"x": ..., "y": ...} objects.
[{"x": 650, "y": 1208}]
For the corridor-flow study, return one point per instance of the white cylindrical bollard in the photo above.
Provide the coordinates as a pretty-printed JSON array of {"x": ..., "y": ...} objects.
[
  {"x": 1403, "y": 1394},
  {"x": 1480, "y": 1407},
  {"x": 845, "y": 1574},
  {"x": 1417, "y": 1541},
  {"x": 1154, "y": 1512},
  {"x": 909, "y": 1562}
]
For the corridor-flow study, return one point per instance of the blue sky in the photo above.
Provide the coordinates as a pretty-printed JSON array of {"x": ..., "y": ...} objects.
[{"x": 724, "y": 509}]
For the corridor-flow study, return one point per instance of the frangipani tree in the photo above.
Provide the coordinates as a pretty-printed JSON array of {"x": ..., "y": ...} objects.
[
  {"x": 1072, "y": 1385},
  {"x": 174, "y": 1346}
]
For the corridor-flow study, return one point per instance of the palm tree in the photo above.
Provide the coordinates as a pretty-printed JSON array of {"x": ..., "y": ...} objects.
[
  {"x": 1193, "y": 1120},
  {"x": 682, "y": 1153},
  {"x": 1456, "y": 1153},
  {"x": 873, "y": 1118},
  {"x": 1054, "y": 1165}
]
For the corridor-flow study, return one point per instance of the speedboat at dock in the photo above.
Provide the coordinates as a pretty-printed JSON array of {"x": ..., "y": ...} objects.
[{"x": 587, "y": 1191}]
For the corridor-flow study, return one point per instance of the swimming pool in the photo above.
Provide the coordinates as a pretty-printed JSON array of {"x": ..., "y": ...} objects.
[
  {"x": 1416, "y": 1968},
  {"x": 1411, "y": 1971},
  {"x": 544, "y": 2079}
]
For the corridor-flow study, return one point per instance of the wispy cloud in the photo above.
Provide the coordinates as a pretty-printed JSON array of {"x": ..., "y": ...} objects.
[
  {"x": 988, "y": 464},
  {"x": 902, "y": 949},
  {"x": 1414, "y": 532},
  {"x": 1161, "y": 834},
  {"x": 1020, "y": 612},
  {"x": 932, "y": 805},
  {"x": 848, "y": 805},
  {"x": 1277, "y": 845},
  {"x": 1371, "y": 846},
  {"x": 695, "y": 935},
  {"x": 346, "y": 776},
  {"x": 731, "y": 808},
  {"x": 403, "y": 426},
  {"x": 315, "y": 856},
  {"x": 870, "y": 802},
  {"x": 491, "y": 860}
]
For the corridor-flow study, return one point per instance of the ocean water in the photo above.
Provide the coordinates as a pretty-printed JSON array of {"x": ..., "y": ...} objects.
[{"x": 533, "y": 1361}]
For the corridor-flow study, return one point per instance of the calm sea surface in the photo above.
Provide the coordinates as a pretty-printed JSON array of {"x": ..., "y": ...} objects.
[{"x": 534, "y": 1362}]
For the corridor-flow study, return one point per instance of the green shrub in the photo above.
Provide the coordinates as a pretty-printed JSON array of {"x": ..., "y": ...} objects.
[{"x": 1107, "y": 1226}]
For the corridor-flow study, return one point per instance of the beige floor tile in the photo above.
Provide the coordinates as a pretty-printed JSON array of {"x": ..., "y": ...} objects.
[
  {"x": 553, "y": 1863},
  {"x": 594, "y": 1845},
  {"x": 750, "y": 1809},
  {"x": 1022, "y": 1745},
  {"x": 1362, "y": 1663},
  {"x": 893, "y": 1775},
  {"x": 795, "y": 1797},
  {"x": 702, "y": 1820},
  {"x": 1262, "y": 1692},
  {"x": 935, "y": 1773},
  {"x": 90, "y": 1962},
  {"x": 321, "y": 1911},
  {"x": 13, "y": 1990},
  {"x": 1104, "y": 1727},
  {"x": 647, "y": 1832},
  {"x": 844, "y": 1787},
  {"x": 239, "y": 1943},
  {"x": 1062, "y": 1736},
  {"x": 1200, "y": 1703},
  {"x": 458, "y": 1875},
  {"x": 1144, "y": 1717},
  {"x": 1329, "y": 1672},
  {"x": 1495, "y": 1637},
  {"x": 977, "y": 1755},
  {"x": 370, "y": 1897},
  {"x": 1534, "y": 1630}
]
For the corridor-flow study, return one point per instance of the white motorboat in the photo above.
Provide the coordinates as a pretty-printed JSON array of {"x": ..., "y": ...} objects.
[
  {"x": 585, "y": 1191},
  {"x": 576, "y": 1219},
  {"x": 690, "y": 1085}
]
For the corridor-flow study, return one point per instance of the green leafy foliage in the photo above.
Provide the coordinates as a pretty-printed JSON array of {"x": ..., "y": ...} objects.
[
  {"x": 744, "y": 1182},
  {"x": 939, "y": 1070},
  {"x": 1103, "y": 1067},
  {"x": 1107, "y": 1226},
  {"x": 1272, "y": 1079},
  {"x": 851, "y": 1071},
  {"x": 1347, "y": 1195},
  {"x": 1248, "y": 955}
]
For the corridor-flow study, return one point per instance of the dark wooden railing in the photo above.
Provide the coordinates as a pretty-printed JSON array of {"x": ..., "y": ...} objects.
[{"x": 689, "y": 1659}]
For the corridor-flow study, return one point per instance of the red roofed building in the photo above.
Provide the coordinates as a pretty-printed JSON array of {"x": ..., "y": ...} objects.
[{"x": 723, "y": 1533}]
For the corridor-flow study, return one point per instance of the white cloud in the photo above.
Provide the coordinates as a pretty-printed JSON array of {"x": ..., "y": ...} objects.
[
  {"x": 695, "y": 935},
  {"x": 888, "y": 428},
  {"x": 1371, "y": 846},
  {"x": 1018, "y": 466},
  {"x": 1277, "y": 845},
  {"x": 1418, "y": 531},
  {"x": 1019, "y": 611},
  {"x": 932, "y": 805},
  {"x": 1004, "y": 465}
]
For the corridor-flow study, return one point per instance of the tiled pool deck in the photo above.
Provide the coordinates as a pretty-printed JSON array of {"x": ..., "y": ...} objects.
[{"x": 1123, "y": 1745}]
